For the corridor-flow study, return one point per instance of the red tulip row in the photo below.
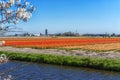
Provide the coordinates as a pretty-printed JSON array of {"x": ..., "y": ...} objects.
[{"x": 56, "y": 42}]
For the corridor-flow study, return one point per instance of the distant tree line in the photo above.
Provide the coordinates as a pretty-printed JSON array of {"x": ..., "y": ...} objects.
[
  {"x": 102, "y": 35},
  {"x": 67, "y": 34},
  {"x": 71, "y": 34}
]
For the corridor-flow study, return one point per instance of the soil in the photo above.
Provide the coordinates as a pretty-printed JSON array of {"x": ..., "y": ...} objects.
[{"x": 108, "y": 54}]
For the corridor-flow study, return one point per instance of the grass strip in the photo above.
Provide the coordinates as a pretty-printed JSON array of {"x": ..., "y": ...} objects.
[{"x": 96, "y": 63}]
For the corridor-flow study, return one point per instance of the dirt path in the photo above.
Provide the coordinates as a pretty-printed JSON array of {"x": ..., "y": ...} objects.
[{"x": 109, "y": 54}]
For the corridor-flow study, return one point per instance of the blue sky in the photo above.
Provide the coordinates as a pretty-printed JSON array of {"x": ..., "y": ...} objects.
[{"x": 83, "y": 16}]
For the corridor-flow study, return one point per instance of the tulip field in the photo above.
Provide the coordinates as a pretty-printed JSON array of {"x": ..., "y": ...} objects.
[{"x": 38, "y": 42}]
